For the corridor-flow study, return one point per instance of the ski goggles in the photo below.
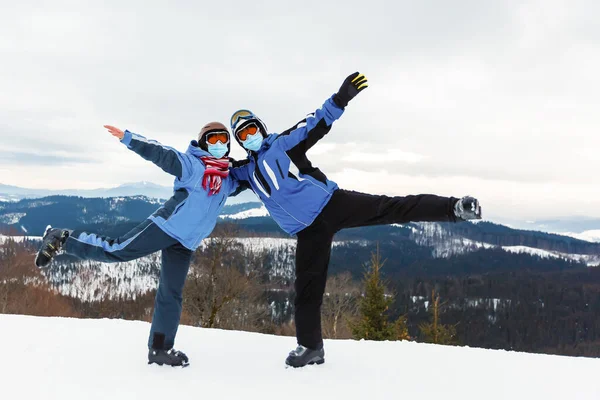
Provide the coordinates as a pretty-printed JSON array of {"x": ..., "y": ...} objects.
[
  {"x": 214, "y": 137},
  {"x": 242, "y": 134},
  {"x": 240, "y": 115}
]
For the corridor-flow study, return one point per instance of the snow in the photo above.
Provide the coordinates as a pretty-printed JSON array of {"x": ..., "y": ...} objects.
[
  {"x": 92, "y": 280},
  {"x": 591, "y": 260},
  {"x": 72, "y": 359},
  {"x": 588, "y": 236},
  {"x": 445, "y": 244},
  {"x": 9, "y": 199},
  {"x": 40, "y": 203},
  {"x": 11, "y": 218},
  {"x": 18, "y": 239},
  {"x": 258, "y": 244},
  {"x": 263, "y": 243},
  {"x": 253, "y": 212},
  {"x": 531, "y": 250}
]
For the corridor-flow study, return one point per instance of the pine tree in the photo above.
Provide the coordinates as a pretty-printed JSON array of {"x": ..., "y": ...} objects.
[
  {"x": 373, "y": 322},
  {"x": 434, "y": 331}
]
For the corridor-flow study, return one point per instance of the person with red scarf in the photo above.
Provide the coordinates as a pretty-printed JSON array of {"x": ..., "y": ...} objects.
[{"x": 202, "y": 184}]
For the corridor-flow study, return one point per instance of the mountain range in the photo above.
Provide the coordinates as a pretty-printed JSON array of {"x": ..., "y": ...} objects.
[
  {"x": 508, "y": 288},
  {"x": 585, "y": 228},
  {"x": 413, "y": 247}
]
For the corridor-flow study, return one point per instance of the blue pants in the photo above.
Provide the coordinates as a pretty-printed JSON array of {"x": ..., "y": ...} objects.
[{"x": 144, "y": 239}]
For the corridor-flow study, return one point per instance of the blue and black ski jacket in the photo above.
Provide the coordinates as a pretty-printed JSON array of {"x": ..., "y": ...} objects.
[
  {"x": 292, "y": 189},
  {"x": 191, "y": 214}
]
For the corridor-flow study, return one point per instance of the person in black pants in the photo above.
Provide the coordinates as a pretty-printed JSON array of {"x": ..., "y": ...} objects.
[{"x": 304, "y": 202}]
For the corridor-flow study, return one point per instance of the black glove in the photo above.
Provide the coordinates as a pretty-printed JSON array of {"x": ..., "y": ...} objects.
[{"x": 352, "y": 86}]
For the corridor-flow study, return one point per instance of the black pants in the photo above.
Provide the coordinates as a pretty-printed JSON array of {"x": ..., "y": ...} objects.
[
  {"x": 348, "y": 209},
  {"x": 144, "y": 239}
]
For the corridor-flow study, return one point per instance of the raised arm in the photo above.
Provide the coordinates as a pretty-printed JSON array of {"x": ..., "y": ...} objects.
[
  {"x": 168, "y": 159},
  {"x": 316, "y": 125}
]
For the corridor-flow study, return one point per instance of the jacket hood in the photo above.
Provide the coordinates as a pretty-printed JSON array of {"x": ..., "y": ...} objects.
[{"x": 237, "y": 126}]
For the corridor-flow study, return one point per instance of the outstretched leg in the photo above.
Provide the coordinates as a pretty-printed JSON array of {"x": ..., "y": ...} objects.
[
  {"x": 144, "y": 239},
  {"x": 348, "y": 209},
  {"x": 345, "y": 210}
]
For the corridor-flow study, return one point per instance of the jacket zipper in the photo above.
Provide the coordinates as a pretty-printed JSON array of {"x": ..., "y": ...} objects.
[{"x": 279, "y": 168}]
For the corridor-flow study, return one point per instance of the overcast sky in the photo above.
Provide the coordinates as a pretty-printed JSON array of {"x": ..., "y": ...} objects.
[{"x": 497, "y": 99}]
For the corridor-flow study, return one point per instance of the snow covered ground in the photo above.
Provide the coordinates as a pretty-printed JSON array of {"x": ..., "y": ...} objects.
[{"x": 69, "y": 359}]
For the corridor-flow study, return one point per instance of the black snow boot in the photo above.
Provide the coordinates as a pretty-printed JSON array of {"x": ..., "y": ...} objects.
[
  {"x": 467, "y": 208},
  {"x": 304, "y": 356},
  {"x": 51, "y": 244},
  {"x": 158, "y": 355},
  {"x": 170, "y": 357}
]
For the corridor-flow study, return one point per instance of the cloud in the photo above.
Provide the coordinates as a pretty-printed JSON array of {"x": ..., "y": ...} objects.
[
  {"x": 468, "y": 91},
  {"x": 11, "y": 159}
]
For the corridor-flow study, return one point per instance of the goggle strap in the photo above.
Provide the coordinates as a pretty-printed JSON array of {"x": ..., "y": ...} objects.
[{"x": 216, "y": 131}]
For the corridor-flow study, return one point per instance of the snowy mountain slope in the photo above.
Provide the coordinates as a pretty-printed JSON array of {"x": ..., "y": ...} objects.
[
  {"x": 254, "y": 212},
  {"x": 4, "y": 238},
  {"x": 31, "y": 216},
  {"x": 446, "y": 244},
  {"x": 590, "y": 236},
  {"x": 92, "y": 280},
  {"x": 148, "y": 189},
  {"x": 71, "y": 359},
  {"x": 590, "y": 260}
]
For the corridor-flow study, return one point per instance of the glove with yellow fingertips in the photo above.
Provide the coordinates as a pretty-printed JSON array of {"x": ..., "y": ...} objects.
[{"x": 352, "y": 86}]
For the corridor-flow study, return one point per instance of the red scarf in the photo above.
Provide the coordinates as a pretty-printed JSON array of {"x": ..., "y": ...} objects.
[{"x": 217, "y": 169}]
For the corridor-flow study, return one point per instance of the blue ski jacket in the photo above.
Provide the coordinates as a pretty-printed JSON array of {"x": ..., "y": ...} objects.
[
  {"x": 191, "y": 214},
  {"x": 292, "y": 189}
]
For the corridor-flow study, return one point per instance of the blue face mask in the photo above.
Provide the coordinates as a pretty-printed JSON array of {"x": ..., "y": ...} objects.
[
  {"x": 253, "y": 142},
  {"x": 217, "y": 150}
]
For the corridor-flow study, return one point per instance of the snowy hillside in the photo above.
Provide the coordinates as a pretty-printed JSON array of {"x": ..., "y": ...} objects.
[
  {"x": 253, "y": 212},
  {"x": 4, "y": 238},
  {"x": 149, "y": 189},
  {"x": 93, "y": 280},
  {"x": 446, "y": 244},
  {"x": 590, "y": 236},
  {"x": 69, "y": 359}
]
